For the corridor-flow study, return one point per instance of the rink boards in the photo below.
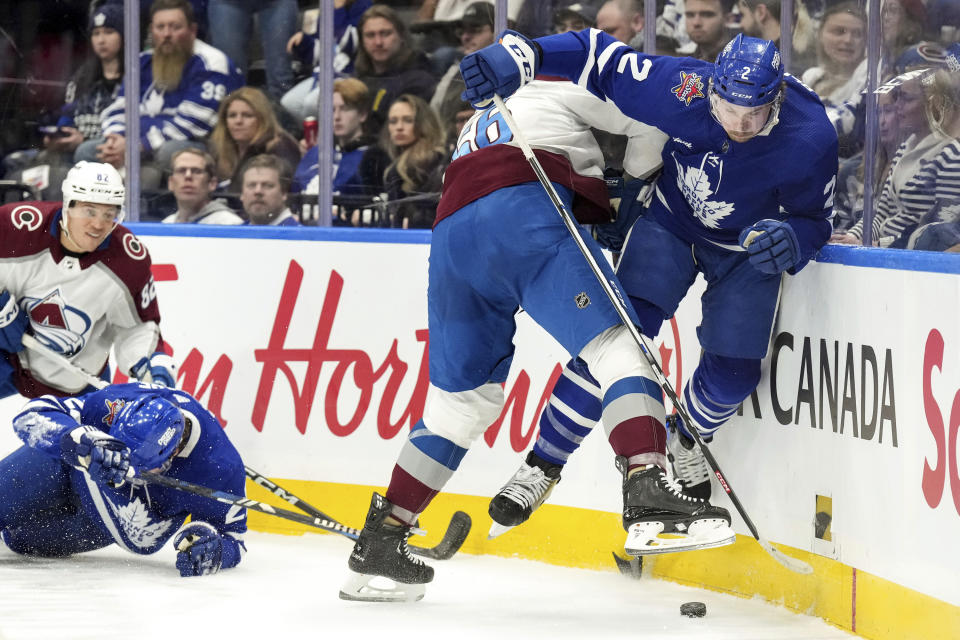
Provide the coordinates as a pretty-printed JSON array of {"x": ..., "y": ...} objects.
[{"x": 310, "y": 346}]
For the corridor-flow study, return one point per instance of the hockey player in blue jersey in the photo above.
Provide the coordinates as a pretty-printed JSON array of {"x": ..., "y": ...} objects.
[
  {"x": 746, "y": 194},
  {"x": 71, "y": 488}
]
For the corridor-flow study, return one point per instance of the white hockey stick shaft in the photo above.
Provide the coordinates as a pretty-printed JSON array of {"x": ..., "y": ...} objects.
[
  {"x": 620, "y": 306},
  {"x": 34, "y": 345}
]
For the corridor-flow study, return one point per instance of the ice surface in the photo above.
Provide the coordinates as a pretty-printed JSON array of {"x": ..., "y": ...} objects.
[{"x": 286, "y": 587}]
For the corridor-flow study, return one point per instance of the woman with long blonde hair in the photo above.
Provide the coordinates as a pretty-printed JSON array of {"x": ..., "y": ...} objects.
[
  {"x": 414, "y": 140},
  {"x": 247, "y": 126}
]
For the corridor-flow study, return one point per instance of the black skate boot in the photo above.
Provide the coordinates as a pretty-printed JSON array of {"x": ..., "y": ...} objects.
[
  {"x": 653, "y": 503},
  {"x": 519, "y": 498},
  {"x": 689, "y": 466},
  {"x": 381, "y": 550}
]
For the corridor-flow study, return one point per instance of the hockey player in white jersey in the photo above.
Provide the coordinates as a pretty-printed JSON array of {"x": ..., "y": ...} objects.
[
  {"x": 80, "y": 283},
  {"x": 499, "y": 244}
]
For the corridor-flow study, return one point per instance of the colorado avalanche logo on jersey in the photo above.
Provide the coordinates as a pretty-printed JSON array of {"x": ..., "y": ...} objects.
[
  {"x": 56, "y": 324},
  {"x": 690, "y": 87},
  {"x": 26, "y": 217},
  {"x": 698, "y": 186}
]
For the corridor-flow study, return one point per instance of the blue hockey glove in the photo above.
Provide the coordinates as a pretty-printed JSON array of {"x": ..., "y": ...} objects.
[
  {"x": 157, "y": 369},
  {"x": 628, "y": 199},
  {"x": 199, "y": 549},
  {"x": 105, "y": 458},
  {"x": 772, "y": 245},
  {"x": 500, "y": 68},
  {"x": 13, "y": 323}
]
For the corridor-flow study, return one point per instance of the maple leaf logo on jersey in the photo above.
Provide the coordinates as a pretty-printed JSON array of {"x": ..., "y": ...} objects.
[
  {"x": 690, "y": 87},
  {"x": 153, "y": 103},
  {"x": 113, "y": 408},
  {"x": 138, "y": 527},
  {"x": 696, "y": 186}
]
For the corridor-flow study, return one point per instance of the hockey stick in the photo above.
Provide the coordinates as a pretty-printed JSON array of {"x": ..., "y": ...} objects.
[
  {"x": 793, "y": 564},
  {"x": 445, "y": 549},
  {"x": 333, "y": 526},
  {"x": 34, "y": 345},
  {"x": 452, "y": 540}
]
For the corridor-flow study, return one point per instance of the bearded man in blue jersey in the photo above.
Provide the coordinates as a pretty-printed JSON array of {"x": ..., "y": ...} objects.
[{"x": 746, "y": 194}]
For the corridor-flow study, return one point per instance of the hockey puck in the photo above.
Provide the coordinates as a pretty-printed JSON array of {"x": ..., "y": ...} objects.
[{"x": 693, "y": 609}]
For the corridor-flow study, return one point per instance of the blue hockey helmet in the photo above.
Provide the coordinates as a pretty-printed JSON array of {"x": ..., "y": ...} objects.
[
  {"x": 152, "y": 427},
  {"x": 748, "y": 72}
]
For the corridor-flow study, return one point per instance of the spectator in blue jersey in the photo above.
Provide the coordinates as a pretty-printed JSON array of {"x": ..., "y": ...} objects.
[
  {"x": 414, "y": 139},
  {"x": 182, "y": 81},
  {"x": 303, "y": 99},
  {"x": 730, "y": 205},
  {"x": 192, "y": 180},
  {"x": 387, "y": 63},
  {"x": 265, "y": 183},
  {"x": 232, "y": 22},
  {"x": 94, "y": 86},
  {"x": 72, "y": 488},
  {"x": 247, "y": 126},
  {"x": 358, "y": 161}
]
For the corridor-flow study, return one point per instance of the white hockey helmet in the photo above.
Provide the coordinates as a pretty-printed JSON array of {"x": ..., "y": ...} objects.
[{"x": 94, "y": 182}]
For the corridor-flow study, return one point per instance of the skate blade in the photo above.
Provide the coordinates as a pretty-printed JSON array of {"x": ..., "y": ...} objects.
[
  {"x": 497, "y": 529},
  {"x": 370, "y": 588},
  {"x": 643, "y": 538}
]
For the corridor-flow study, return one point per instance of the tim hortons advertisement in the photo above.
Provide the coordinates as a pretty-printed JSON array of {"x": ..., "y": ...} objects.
[{"x": 313, "y": 356}]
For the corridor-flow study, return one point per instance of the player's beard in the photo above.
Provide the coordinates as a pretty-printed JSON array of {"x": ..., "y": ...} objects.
[{"x": 168, "y": 67}]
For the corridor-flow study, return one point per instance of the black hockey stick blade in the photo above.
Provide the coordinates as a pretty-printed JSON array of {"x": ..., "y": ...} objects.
[
  {"x": 451, "y": 542},
  {"x": 453, "y": 539},
  {"x": 631, "y": 567}
]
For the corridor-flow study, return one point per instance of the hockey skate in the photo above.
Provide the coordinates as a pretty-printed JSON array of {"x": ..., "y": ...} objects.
[
  {"x": 526, "y": 490},
  {"x": 381, "y": 565},
  {"x": 654, "y": 504},
  {"x": 689, "y": 465}
]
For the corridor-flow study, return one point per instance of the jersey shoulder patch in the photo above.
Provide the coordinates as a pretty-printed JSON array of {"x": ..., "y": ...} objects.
[{"x": 25, "y": 227}]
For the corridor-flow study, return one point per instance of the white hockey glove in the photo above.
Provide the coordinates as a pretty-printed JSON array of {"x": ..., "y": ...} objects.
[
  {"x": 159, "y": 368},
  {"x": 13, "y": 323}
]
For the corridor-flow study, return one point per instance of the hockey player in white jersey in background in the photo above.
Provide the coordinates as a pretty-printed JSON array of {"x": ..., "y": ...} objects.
[
  {"x": 80, "y": 283},
  {"x": 746, "y": 195},
  {"x": 499, "y": 244}
]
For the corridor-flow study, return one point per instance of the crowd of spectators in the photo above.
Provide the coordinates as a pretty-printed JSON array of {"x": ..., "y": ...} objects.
[{"x": 226, "y": 140}]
